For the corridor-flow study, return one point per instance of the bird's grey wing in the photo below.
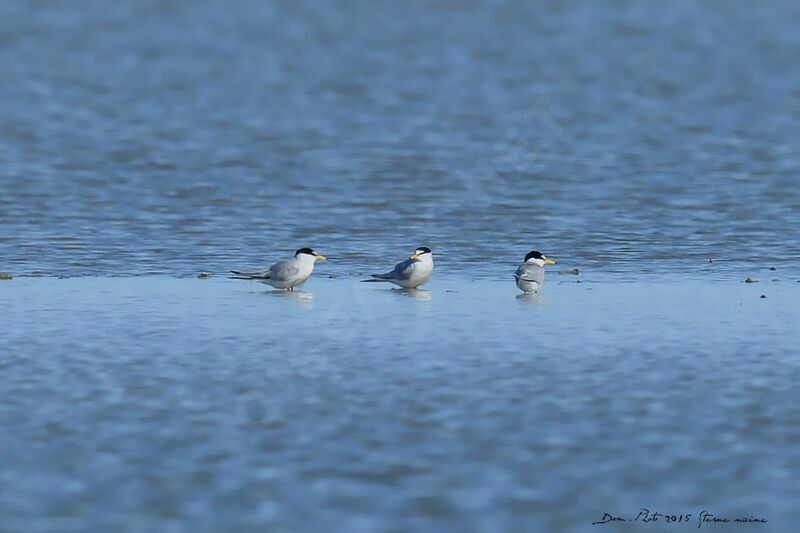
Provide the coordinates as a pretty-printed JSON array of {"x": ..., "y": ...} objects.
[
  {"x": 251, "y": 275},
  {"x": 284, "y": 270},
  {"x": 402, "y": 271},
  {"x": 527, "y": 272}
]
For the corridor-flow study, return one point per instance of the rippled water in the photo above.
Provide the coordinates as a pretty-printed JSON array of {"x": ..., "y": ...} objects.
[
  {"x": 648, "y": 143},
  {"x": 167, "y": 137}
]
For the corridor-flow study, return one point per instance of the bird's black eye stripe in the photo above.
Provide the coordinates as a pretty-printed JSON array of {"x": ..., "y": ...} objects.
[
  {"x": 424, "y": 249},
  {"x": 308, "y": 251},
  {"x": 534, "y": 255}
]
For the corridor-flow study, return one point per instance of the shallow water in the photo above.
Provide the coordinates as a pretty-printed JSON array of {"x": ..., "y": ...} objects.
[
  {"x": 219, "y": 404},
  {"x": 651, "y": 145}
]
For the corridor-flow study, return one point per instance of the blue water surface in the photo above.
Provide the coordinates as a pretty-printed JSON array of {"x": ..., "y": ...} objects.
[{"x": 651, "y": 145}]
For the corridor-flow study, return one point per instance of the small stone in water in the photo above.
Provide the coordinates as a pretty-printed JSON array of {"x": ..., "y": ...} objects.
[
  {"x": 6, "y": 275},
  {"x": 750, "y": 280}
]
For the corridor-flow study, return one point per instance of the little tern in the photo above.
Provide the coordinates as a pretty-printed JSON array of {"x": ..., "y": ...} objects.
[
  {"x": 411, "y": 273},
  {"x": 286, "y": 274},
  {"x": 530, "y": 274}
]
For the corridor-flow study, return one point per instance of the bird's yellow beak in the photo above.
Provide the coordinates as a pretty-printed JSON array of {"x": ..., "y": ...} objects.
[
  {"x": 548, "y": 261},
  {"x": 321, "y": 258},
  {"x": 414, "y": 256}
]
